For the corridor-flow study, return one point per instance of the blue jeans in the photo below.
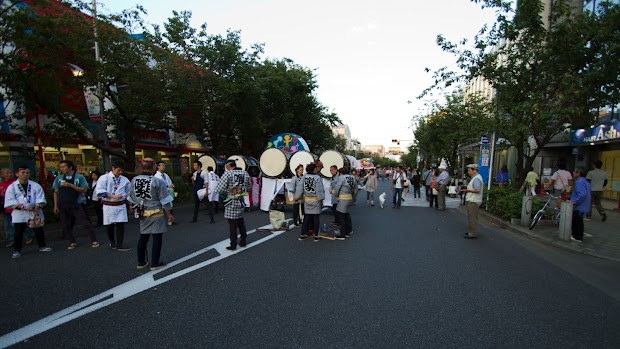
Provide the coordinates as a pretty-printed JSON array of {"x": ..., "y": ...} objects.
[
  {"x": 9, "y": 229},
  {"x": 396, "y": 199}
]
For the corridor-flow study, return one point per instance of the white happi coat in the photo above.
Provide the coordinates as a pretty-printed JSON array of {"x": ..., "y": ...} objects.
[
  {"x": 29, "y": 196},
  {"x": 212, "y": 180},
  {"x": 109, "y": 184},
  {"x": 164, "y": 177}
]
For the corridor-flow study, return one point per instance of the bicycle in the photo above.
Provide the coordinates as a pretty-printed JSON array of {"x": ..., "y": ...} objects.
[{"x": 556, "y": 212}]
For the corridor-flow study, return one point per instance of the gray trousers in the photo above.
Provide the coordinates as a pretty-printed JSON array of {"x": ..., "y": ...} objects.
[
  {"x": 441, "y": 198},
  {"x": 596, "y": 202},
  {"x": 472, "y": 218}
]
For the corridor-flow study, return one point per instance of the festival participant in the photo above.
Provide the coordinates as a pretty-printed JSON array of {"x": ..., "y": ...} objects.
[
  {"x": 298, "y": 208},
  {"x": 235, "y": 182},
  {"x": 26, "y": 198},
  {"x": 199, "y": 180},
  {"x": 333, "y": 169},
  {"x": 345, "y": 189},
  {"x": 310, "y": 188},
  {"x": 9, "y": 230},
  {"x": 213, "y": 196},
  {"x": 161, "y": 167},
  {"x": 151, "y": 198},
  {"x": 113, "y": 189},
  {"x": 94, "y": 176},
  {"x": 67, "y": 190}
]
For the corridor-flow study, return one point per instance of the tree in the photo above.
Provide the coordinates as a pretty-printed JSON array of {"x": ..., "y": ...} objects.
[
  {"x": 543, "y": 76},
  {"x": 458, "y": 122}
]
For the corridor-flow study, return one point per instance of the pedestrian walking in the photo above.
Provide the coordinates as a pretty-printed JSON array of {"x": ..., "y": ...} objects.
[
  {"x": 531, "y": 182},
  {"x": 370, "y": 187},
  {"x": 398, "y": 180},
  {"x": 94, "y": 176},
  {"x": 598, "y": 182},
  {"x": 416, "y": 183},
  {"x": 561, "y": 181},
  {"x": 355, "y": 177},
  {"x": 433, "y": 188},
  {"x": 150, "y": 201},
  {"x": 113, "y": 189},
  {"x": 26, "y": 198},
  {"x": 7, "y": 179},
  {"x": 235, "y": 182},
  {"x": 68, "y": 186},
  {"x": 311, "y": 190},
  {"x": 473, "y": 200},
  {"x": 441, "y": 182},
  {"x": 213, "y": 196},
  {"x": 200, "y": 180},
  {"x": 582, "y": 202},
  {"x": 426, "y": 179},
  {"x": 345, "y": 190},
  {"x": 406, "y": 184}
]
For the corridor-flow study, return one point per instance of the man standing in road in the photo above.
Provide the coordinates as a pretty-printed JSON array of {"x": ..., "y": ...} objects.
[
  {"x": 151, "y": 203},
  {"x": 427, "y": 179},
  {"x": 26, "y": 198},
  {"x": 441, "y": 182},
  {"x": 212, "y": 196},
  {"x": 311, "y": 189},
  {"x": 582, "y": 202},
  {"x": 161, "y": 174},
  {"x": 113, "y": 189},
  {"x": 345, "y": 189},
  {"x": 333, "y": 169},
  {"x": 235, "y": 182},
  {"x": 398, "y": 180},
  {"x": 200, "y": 178},
  {"x": 67, "y": 190},
  {"x": 9, "y": 230},
  {"x": 598, "y": 182},
  {"x": 473, "y": 200}
]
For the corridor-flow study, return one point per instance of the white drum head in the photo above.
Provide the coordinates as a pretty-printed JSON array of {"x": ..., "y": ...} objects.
[
  {"x": 273, "y": 162},
  {"x": 329, "y": 159},
  {"x": 240, "y": 160},
  {"x": 206, "y": 161},
  {"x": 301, "y": 157}
]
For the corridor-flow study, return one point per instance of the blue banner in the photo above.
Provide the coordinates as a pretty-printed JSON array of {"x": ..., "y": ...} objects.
[
  {"x": 4, "y": 124},
  {"x": 483, "y": 162},
  {"x": 603, "y": 132}
]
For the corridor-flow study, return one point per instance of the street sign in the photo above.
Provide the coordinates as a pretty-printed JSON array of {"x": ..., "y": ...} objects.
[{"x": 484, "y": 140}]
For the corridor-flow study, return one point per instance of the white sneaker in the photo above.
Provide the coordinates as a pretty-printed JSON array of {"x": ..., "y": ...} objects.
[
  {"x": 45, "y": 249},
  {"x": 573, "y": 239},
  {"x": 587, "y": 235},
  {"x": 16, "y": 255}
]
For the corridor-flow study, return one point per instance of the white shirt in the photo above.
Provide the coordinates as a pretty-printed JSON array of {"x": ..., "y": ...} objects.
[
  {"x": 164, "y": 177},
  {"x": 561, "y": 178}
]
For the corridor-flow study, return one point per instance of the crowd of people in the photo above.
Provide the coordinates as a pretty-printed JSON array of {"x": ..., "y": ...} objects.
[{"x": 148, "y": 197}]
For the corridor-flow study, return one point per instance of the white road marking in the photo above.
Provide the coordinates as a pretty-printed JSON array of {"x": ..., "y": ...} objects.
[{"x": 126, "y": 290}]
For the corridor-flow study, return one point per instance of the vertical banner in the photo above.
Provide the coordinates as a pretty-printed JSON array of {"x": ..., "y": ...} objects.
[
  {"x": 4, "y": 124},
  {"x": 484, "y": 162},
  {"x": 92, "y": 104}
]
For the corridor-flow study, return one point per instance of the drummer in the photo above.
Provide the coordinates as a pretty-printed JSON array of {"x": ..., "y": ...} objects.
[
  {"x": 310, "y": 188},
  {"x": 333, "y": 169},
  {"x": 345, "y": 190}
]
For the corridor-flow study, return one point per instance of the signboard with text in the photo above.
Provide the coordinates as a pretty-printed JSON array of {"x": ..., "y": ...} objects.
[{"x": 484, "y": 162}]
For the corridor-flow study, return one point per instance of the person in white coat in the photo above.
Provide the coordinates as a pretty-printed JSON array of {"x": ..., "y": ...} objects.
[
  {"x": 26, "y": 198},
  {"x": 113, "y": 189}
]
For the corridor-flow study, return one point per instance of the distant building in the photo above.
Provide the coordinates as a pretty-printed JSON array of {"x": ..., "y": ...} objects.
[
  {"x": 343, "y": 131},
  {"x": 395, "y": 150},
  {"x": 374, "y": 149}
]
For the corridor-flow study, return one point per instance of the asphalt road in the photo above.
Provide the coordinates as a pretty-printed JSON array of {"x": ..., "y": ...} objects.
[{"x": 406, "y": 278}]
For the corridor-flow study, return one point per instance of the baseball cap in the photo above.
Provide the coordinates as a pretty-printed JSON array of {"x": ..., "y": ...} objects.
[{"x": 472, "y": 166}]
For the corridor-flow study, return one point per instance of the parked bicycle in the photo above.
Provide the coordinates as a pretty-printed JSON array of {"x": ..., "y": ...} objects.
[{"x": 555, "y": 212}]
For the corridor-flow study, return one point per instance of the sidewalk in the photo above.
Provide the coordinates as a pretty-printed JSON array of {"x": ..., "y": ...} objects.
[{"x": 604, "y": 243}]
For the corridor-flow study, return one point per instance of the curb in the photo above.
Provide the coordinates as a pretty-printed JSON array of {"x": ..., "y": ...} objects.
[{"x": 548, "y": 241}]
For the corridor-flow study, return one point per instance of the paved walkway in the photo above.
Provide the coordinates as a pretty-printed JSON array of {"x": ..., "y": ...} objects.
[{"x": 604, "y": 242}]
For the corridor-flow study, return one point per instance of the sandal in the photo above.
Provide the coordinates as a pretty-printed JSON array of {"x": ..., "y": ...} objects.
[
  {"x": 72, "y": 246},
  {"x": 94, "y": 244}
]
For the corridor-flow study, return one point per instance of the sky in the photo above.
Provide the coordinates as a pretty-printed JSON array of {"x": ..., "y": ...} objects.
[{"x": 369, "y": 56}]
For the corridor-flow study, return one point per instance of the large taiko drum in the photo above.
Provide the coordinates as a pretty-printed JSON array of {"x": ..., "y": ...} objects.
[
  {"x": 246, "y": 163},
  {"x": 333, "y": 158},
  {"x": 301, "y": 157},
  {"x": 212, "y": 161},
  {"x": 274, "y": 163}
]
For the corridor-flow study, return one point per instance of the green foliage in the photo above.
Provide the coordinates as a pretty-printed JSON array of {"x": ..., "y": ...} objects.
[
  {"x": 184, "y": 190},
  {"x": 506, "y": 202}
]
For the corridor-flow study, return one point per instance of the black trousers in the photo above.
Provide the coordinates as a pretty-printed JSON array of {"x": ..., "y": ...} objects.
[
  {"x": 344, "y": 220},
  {"x": 120, "y": 234},
  {"x": 428, "y": 192},
  {"x": 39, "y": 234},
  {"x": 99, "y": 210},
  {"x": 156, "y": 248},
  {"x": 197, "y": 202},
  {"x": 311, "y": 224},
  {"x": 576, "y": 226},
  {"x": 75, "y": 215},
  {"x": 296, "y": 207},
  {"x": 233, "y": 225}
]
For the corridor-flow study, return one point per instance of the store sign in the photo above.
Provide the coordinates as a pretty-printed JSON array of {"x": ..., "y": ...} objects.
[{"x": 604, "y": 132}]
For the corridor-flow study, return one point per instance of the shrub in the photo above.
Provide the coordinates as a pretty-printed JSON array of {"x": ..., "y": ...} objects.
[{"x": 506, "y": 202}]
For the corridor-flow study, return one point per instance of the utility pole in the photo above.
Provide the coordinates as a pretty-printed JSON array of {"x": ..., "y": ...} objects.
[{"x": 103, "y": 125}]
